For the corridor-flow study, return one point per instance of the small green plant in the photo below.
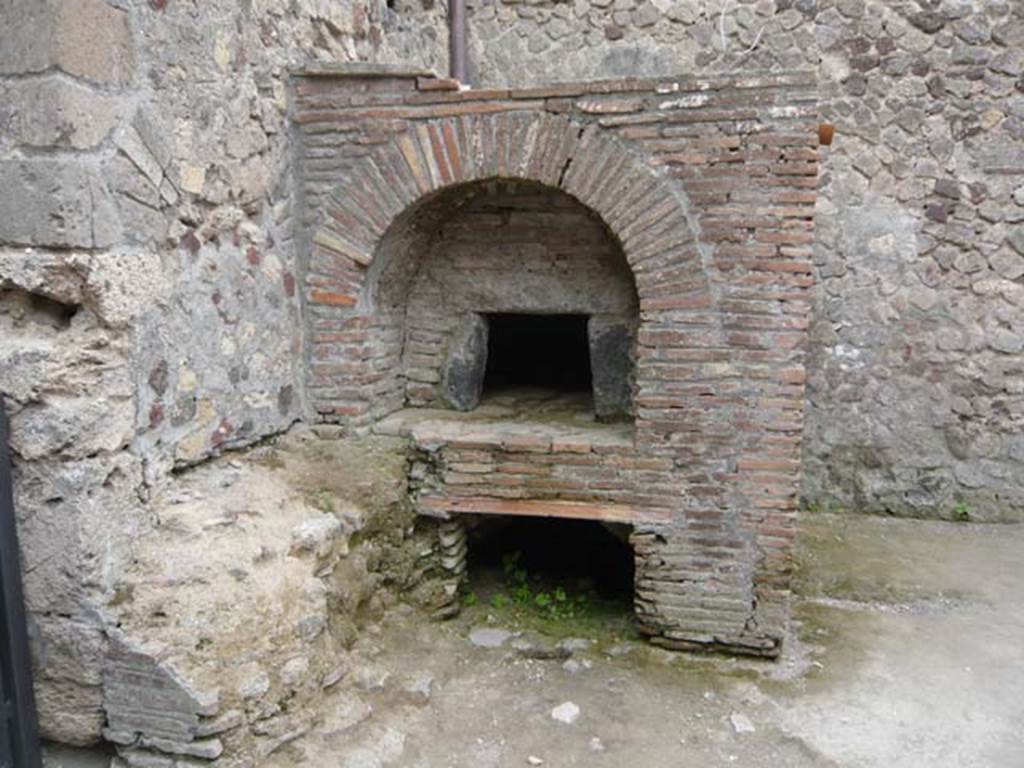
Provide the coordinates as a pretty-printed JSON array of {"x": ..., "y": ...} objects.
[
  {"x": 961, "y": 512},
  {"x": 550, "y": 603},
  {"x": 521, "y": 593},
  {"x": 470, "y": 599}
]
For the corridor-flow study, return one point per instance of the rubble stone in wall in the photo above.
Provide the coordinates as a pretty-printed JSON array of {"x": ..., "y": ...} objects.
[{"x": 919, "y": 91}]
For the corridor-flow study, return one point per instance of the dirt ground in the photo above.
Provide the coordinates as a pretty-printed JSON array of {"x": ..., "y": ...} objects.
[{"x": 907, "y": 651}]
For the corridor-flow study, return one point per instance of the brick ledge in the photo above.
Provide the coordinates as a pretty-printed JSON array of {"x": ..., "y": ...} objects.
[{"x": 575, "y": 510}]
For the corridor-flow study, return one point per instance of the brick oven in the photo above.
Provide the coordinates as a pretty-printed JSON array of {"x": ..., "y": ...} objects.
[{"x": 586, "y": 301}]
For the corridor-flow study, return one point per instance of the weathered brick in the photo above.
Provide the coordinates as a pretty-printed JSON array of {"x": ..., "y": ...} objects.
[{"x": 722, "y": 320}]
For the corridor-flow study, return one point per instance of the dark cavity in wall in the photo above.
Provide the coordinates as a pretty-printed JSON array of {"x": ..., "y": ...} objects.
[
  {"x": 551, "y": 567},
  {"x": 23, "y": 308},
  {"x": 546, "y": 351}
]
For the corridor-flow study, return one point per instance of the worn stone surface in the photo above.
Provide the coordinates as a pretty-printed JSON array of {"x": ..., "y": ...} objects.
[
  {"x": 611, "y": 364},
  {"x": 53, "y": 112},
  {"x": 26, "y": 37},
  {"x": 462, "y": 377},
  {"x": 93, "y": 41},
  {"x": 57, "y": 204}
]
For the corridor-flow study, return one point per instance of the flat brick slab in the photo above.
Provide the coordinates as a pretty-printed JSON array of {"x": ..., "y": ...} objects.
[
  {"x": 436, "y": 426},
  {"x": 482, "y": 505}
]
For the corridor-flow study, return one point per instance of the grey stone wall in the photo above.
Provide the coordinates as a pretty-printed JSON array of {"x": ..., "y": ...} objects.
[
  {"x": 149, "y": 309},
  {"x": 149, "y": 290},
  {"x": 916, "y": 398}
]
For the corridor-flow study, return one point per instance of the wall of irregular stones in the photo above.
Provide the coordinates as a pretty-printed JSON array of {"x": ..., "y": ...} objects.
[
  {"x": 917, "y": 392},
  {"x": 148, "y": 299}
]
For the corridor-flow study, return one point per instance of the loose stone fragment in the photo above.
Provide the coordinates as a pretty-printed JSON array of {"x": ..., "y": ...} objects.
[
  {"x": 566, "y": 712},
  {"x": 489, "y": 637},
  {"x": 741, "y": 723}
]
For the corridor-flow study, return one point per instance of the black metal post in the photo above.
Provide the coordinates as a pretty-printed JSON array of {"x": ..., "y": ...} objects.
[{"x": 19, "y": 731}]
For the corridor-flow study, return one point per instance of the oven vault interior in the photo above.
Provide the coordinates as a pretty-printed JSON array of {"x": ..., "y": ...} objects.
[{"x": 504, "y": 284}]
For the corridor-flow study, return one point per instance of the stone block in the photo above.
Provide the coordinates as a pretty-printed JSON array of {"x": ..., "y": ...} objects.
[
  {"x": 76, "y": 522},
  {"x": 1007, "y": 264},
  {"x": 92, "y": 40},
  {"x": 56, "y": 203},
  {"x": 463, "y": 378},
  {"x": 315, "y": 535},
  {"x": 74, "y": 427},
  {"x": 57, "y": 277},
  {"x": 611, "y": 364},
  {"x": 67, "y": 656},
  {"x": 1016, "y": 239},
  {"x": 26, "y": 36},
  {"x": 142, "y": 695},
  {"x": 1011, "y": 35},
  {"x": 89, "y": 39},
  {"x": 148, "y": 154},
  {"x": 57, "y": 113}
]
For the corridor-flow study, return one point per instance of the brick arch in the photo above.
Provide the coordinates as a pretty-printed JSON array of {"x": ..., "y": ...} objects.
[{"x": 646, "y": 210}]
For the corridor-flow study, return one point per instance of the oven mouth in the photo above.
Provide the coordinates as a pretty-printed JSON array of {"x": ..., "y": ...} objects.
[{"x": 534, "y": 351}]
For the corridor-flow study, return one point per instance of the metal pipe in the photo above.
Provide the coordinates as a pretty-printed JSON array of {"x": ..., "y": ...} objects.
[
  {"x": 457, "y": 40},
  {"x": 19, "y": 732}
]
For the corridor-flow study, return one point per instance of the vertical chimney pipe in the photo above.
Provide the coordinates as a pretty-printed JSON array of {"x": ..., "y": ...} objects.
[{"x": 457, "y": 40}]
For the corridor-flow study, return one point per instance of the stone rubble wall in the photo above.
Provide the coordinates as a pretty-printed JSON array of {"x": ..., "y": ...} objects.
[
  {"x": 916, "y": 401},
  {"x": 149, "y": 315},
  {"x": 149, "y": 288}
]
